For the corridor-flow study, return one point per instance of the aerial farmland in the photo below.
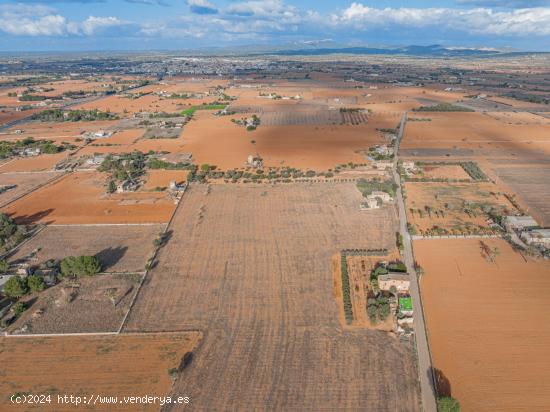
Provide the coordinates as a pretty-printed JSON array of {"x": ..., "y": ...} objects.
[{"x": 304, "y": 234}]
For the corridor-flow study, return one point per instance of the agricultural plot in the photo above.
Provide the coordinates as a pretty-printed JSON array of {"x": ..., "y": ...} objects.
[
  {"x": 454, "y": 208},
  {"x": 160, "y": 179},
  {"x": 123, "y": 365},
  {"x": 19, "y": 184},
  {"x": 119, "y": 248},
  {"x": 57, "y": 132},
  {"x": 301, "y": 117},
  {"x": 358, "y": 268},
  {"x": 487, "y": 324},
  {"x": 215, "y": 140},
  {"x": 442, "y": 172},
  {"x": 90, "y": 304},
  {"x": 42, "y": 163},
  {"x": 531, "y": 184},
  {"x": 80, "y": 198},
  {"x": 251, "y": 267},
  {"x": 474, "y": 134}
]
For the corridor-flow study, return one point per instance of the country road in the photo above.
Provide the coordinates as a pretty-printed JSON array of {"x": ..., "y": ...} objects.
[{"x": 427, "y": 388}]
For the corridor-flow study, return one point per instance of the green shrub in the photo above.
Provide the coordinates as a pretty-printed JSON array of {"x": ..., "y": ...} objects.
[
  {"x": 447, "y": 404},
  {"x": 4, "y": 266},
  {"x": 80, "y": 266},
  {"x": 35, "y": 283},
  {"x": 18, "y": 308},
  {"x": 15, "y": 287}
]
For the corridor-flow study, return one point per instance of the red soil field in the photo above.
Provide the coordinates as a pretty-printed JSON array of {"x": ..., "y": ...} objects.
[
  {"x": 450, "y": 198},
  {"x": 162, "y": 178},
  {"x": 215, "y": 140},
  {"x": 33, "y": 164},
  {"x": 487, "y": 324},
  {"x": 80, "y": 198},
  {"x": 58, "y": 132},
  {"x": 444, "y": 172},
  {"x": 475, "y": 131},
  {"x": 122, "y": 365}
]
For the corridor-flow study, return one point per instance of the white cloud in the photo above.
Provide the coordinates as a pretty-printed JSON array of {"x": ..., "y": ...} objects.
[
  {"x": 93, "y": 25},
  {"x": 520, "y": 22},
  {"x": 26, "y": 20}
]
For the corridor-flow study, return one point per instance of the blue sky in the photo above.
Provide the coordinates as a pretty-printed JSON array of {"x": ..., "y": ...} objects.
[{"x": 72, "y": 25}]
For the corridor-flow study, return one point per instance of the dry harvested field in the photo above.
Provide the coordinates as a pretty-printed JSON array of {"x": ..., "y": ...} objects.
[
  {"x": 444, "y": 172},
  {"x": 162, "y": 178},
  {"x": 215, "y": 140},
  {"x": 444, "y": 204},
  {"x": 87, "y": 305},
  {"x": 250, "y": 266},
  {"x": 487, "y": 324},
  {"x": 9, "y": 115},
  {"x": 120, "y": 248},
  {"x": 119, "y": 142},
  {"x": 80, "y": 198},
  {"x": 518, "y": 118},
  {"x": 531, "y": 183},
  {"x": 40, "y": 163},
  {"x": 24, "y": 183},
  {"x": 58, "y": 132},
  {"x": 123, "y": 365},
  {"x": 475, "y": 132},
  {"x": 147, "y": 103}
]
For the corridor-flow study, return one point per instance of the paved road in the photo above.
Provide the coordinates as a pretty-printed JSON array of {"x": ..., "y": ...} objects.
[{"x": 422, "y": 348}]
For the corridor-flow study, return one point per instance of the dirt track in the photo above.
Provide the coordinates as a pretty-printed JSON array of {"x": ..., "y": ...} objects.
[{"x": 250, "y": 266}]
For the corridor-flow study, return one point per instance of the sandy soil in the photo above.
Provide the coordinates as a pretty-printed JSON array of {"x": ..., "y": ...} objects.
[
  {"x": 120, "y": 248},
  {"x": 85, "y": 366},
  {"x": 448, "y": 199},
  {"x": 215, "y": 140},
  {"x": 260, "y": 286},
  {"x": 162, "y": 178},
  {"x": 88, "y": 305},
  {"x": 24, "y": 182},
  {"x": 444, "y": 172},
  {"x": 475, "y": 131},
  {"x": 80, "y": 198},
  {"x": 487, "y": 324},
  {"x": 58, "y": 132},
  {"x": 33, "y": 164}
]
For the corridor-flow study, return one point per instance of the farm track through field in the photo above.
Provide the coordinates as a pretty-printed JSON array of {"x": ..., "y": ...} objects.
[{"x": 250, "y": 267}]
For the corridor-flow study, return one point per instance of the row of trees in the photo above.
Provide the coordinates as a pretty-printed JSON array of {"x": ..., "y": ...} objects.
[
  {"x": 58, "y": 115},
  {"x": 346, "y": 292}
]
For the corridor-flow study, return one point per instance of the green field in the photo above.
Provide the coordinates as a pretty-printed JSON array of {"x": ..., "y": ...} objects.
[{"x": 193, "y": 109}]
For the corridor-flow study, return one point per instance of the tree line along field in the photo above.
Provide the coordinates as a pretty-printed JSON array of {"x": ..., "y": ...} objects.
[
  {"x": 105, "y": 365},
  {"x": 486, "y": 323},
  {"x": 250, "y": 266}
]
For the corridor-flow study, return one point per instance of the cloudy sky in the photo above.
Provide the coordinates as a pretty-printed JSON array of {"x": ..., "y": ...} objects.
[{"x": 28, "y": 25}]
